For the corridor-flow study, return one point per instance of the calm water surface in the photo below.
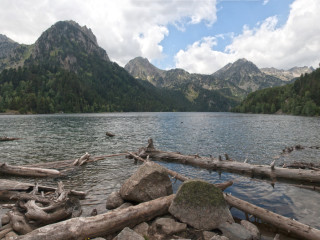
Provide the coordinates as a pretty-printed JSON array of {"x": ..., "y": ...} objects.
[{"x": 258, "y": 138}]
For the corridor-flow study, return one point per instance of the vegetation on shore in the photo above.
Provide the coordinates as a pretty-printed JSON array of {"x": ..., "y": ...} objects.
[{"x": 299, "y": 98}]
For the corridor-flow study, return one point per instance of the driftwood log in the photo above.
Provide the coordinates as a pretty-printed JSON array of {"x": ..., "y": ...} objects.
[
  {"x": 308, "y": 177},
  {"x": 5, "y": 139},
  {"x": 32, "y": 210},
  {"x": 28, "y": 171},
  {"x": 287, "y": 224},
  {"x": 18, "y": 187},
  {"x": 103, "y": 224}
]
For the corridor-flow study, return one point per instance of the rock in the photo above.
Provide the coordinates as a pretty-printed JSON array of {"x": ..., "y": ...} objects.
[
  {"x": 218, "y": 237},
  {"x": 206, "y": 235},
  {"x": 168, "y": 226},
  {"x": 11, "y": 236},
  {"x": 200, "y": 205},
  {"x": 253, "y": 229},
  {"x": 99, "y": 238},
  {"x": 5, "y": 219},
  {"x": 128, "y": 234},
  {"x": 125, "y": 205},
  {"x": 235, "y": 231},
  {"x": 142, "y": 229},
  {"x": 114, "y": 200},
  {"x": 149, "y": 182}
]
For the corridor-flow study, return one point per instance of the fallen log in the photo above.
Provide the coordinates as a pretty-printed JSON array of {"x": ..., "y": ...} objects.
[
  {"x": 4, "y": 139},
  {"x": 28, "y": 171},
  {"x": 308, "y": 177},
  {"x": 287, "y": 224},
  {"x": 103, "y": 224},
  {"x": 9, "y": 185}
]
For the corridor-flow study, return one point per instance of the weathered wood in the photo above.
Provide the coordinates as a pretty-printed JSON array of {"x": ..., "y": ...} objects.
[
  {"x": 103, "y": 224},
  {"x": 284, "y": 223},
  {"x": 11, "y": 185},
  {"x": 4, "y": 232},
  {"x": 82, "y": 160},
  {"x": 13, "y": 195},
  {"x": 309, "y": 177},
  {"x": 28, "y": 171},
  {"x": 4, "y": 139}
]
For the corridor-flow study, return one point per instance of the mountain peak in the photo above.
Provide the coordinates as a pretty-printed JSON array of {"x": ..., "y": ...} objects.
[
  {"x": 65, "y": 41},
  {"x": 7, "y": 46}
]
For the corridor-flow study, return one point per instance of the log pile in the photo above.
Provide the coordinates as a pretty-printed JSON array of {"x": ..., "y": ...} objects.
[{"x": 34, "y": 209}]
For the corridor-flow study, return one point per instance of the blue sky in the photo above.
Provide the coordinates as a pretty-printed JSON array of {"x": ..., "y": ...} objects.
[
  {"x": 231, "y": 17},
  {"x": 197, "y": 35}
]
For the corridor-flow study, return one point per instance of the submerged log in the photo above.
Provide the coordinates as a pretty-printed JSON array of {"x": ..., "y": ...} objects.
[
  {"x": 284, "y": 223},
  {"x": 103, "y": 224},
  {"x": 309, "y": 177},
  {"x": 4, "y": 139},
  {"x": 28, "y": 171}
]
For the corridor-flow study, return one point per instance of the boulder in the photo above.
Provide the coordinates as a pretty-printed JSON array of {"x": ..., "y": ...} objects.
[
  {"x": 218, "y": 237},
  {"x": 142, "y": 229},
  {"x": 149, "y": 182},
  {"x": 128, "y": 234},
  {"x": 235, "y": 231},
  {"x": 200, "y": 205},
  {"x": 168, "y": 226},
  {"x": 253, "y": 229},
  {"x": 114, "y": 200}
]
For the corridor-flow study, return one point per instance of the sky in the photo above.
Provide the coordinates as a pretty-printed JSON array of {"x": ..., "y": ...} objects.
[{"x": 200, "y": 36}]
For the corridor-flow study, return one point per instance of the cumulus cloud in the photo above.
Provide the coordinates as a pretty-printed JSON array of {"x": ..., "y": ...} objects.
[
  {"x": 296, "y": 43},
  {"x": 125, "y": 28}
]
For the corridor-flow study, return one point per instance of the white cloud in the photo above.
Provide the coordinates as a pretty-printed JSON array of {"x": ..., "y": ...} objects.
[
  {"x": 201, "y": 58},
  {"x": 265, "y": 2},
  {"x": 125, "y": 28},
  {"x": 296, "y": 43}
]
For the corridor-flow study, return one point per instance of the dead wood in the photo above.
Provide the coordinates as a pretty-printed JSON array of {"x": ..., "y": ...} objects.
[
  {"x": 304, "y": 165},
  {"x": 82, "y": 160},
  {"x": 4, "y": 139},
  {"x": 4, "y": 232},
  {"x": 28, "y": 171},
  {"x": 13, "y": 195},
  {"x": 308, "y": 177},
  {"x": 284, "y": 223},
  {"x": 10, "y": 185},
  {"x": 103, "y": 224}
]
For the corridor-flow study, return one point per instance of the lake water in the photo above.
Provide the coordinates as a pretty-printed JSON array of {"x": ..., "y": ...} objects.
[{"x": 258, "y": 138}]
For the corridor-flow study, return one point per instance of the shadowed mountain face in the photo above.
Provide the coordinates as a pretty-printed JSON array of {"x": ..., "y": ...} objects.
[{"x": 7, "y": 46}]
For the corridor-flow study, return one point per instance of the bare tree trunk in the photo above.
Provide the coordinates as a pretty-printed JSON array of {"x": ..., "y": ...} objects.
[
  {"x": 103, "y": 224},
  {"x": 287, "y": 224},
  {"x": 308, "y": 177},
  {"x": 28, "y": 171}
]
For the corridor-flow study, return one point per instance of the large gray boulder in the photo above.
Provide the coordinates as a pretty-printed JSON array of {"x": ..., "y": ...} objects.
[
  {"x": 200, "y": 205},
  {"x": 114, "y": 200},
  {"x": 149, "y": 182}
]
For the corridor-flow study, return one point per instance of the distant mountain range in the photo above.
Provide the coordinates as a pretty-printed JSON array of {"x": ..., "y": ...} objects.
[
  {"x": 287, "y": 75},
  {"x": 66, "y": 70}
]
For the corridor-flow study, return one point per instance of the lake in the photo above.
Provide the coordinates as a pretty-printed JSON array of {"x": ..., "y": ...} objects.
[{"x": 258, "y": 138}]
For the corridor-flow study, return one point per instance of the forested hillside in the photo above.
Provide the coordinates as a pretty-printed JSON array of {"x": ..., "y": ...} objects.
[{"x": 299, "y": 98}]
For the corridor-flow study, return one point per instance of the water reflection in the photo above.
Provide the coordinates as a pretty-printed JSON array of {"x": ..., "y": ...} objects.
[{"x": 256, "y": 137}]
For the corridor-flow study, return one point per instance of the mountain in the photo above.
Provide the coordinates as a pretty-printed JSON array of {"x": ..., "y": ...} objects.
[
  {"x": 230, "y": 84},
  {"x": 247, "y": 76},
  {"x": 6, "y": 46},
  {"x": 301, "y": 97},
  {"x": 287, "y": 75},
  {"x": 65, "y": 70},
  {"x": 203, "y": 94}
]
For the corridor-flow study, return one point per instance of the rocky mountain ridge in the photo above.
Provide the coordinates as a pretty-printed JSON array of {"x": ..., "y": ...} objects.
[{"x": 287, "y": 75}]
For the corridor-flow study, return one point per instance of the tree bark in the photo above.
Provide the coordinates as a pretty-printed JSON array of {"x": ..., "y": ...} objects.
[
  {"x": 308, "y": 177},
  {"x": 103, "y": 224},
  {"x": 9, "y": 185},
  {"x": 28, "y": 171},
  {"x": 287, "y": 224}
]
